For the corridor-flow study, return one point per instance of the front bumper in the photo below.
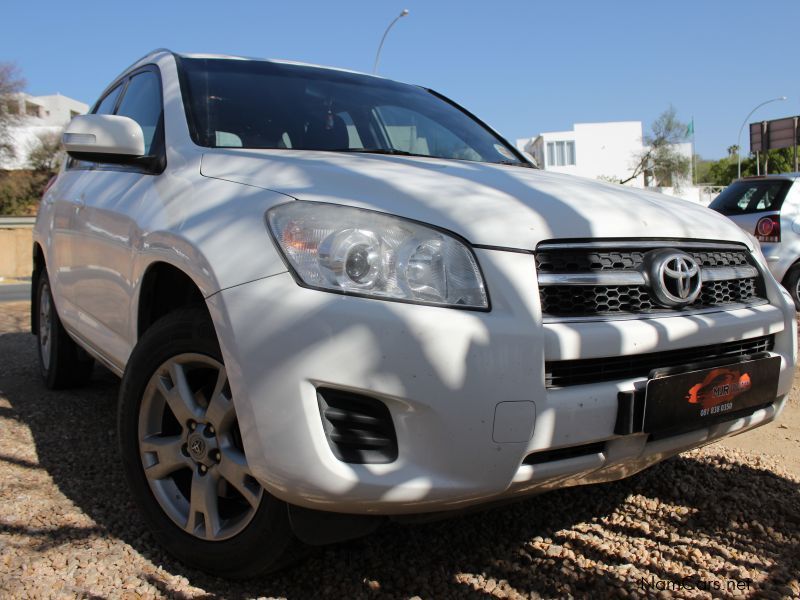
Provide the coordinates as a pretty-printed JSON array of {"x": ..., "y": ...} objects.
[{"x": 442, "y": 374}]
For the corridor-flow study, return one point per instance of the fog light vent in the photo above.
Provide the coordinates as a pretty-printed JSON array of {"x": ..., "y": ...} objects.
[{"x": 359, "y": 429}]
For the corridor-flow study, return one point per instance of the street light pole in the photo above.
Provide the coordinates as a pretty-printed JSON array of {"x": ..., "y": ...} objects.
[
  {"x": 383, "y": 39},
  {"x": 739, "y": 139}
]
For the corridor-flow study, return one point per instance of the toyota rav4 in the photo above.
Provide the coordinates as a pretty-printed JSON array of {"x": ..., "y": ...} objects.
[{"x": 335, "y": 299}]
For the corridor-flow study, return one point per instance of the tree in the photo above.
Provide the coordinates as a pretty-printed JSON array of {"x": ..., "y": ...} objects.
[
  {"x": 778, "y": 161},
  {"x": 725, "y": 170},
  {"x": 46, "y": 154},
  {"x": 660, "y": 159},
  {"x": 11, "y": 83}
]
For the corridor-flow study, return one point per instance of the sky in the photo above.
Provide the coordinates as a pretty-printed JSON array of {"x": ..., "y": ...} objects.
[{"x": 524, "y": 67}]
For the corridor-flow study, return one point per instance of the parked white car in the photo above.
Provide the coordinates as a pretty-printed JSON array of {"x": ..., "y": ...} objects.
[
  {"x": 334, "y": 298},
  {"x": 769, "y": 208}
]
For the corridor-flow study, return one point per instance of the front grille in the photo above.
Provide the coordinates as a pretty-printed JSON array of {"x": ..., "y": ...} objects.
[
  {"x": 359, "y": 429},
  {"x": 581, "y": 300},
  {"x": 611, "y": 281},
  {"x": 591, "y": 260},
  {"x": 564, "y": 373}
]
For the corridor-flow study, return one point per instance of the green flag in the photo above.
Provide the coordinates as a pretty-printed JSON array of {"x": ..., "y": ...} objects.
[{"x": 690, "y": 128}]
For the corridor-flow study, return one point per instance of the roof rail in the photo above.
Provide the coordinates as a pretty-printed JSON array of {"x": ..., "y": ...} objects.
[{"x": 140, "y": 59}]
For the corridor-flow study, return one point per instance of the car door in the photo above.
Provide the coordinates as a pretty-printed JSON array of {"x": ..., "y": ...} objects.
[
  {"x": 66, "y": 200},
  {"x": 107, "y": 229}
]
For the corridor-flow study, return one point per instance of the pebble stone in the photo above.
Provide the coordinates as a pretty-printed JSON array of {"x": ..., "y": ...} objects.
[{"x": 69, "y": 530}]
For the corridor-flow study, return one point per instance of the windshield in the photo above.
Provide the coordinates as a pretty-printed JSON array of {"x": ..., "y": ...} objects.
[
  {"x": 234, "y": 103},
  {"x": 751, "y": 196}
]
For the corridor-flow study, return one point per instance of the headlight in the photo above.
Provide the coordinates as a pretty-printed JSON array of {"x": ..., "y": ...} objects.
[{"x": 353, "y": 251}]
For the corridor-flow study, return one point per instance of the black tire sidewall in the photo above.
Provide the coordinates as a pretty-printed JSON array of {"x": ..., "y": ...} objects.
[
  {"x": 46, "y": 371},
  {"x": 69, "y": 365},
  {"x": 790, "y": 283},
  {"x": 267, "y": 537}
]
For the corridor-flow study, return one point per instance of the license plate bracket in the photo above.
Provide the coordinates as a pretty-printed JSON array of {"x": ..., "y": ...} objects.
[{"x": 698, "y": 395}]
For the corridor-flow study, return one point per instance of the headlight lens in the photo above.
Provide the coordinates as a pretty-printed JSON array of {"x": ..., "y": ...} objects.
[{"x": 349, "y": 250}]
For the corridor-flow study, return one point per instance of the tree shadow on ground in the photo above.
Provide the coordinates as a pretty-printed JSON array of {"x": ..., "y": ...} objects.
[{"x": 711, "y": 519}]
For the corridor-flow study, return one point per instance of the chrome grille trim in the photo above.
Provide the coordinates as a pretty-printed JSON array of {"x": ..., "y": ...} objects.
[
  {"x": 601, "y": 278},
  {"x": 637, "y": 278},
  {"x": 727, "y": 273},
  {"x": 623, "y": 244}
]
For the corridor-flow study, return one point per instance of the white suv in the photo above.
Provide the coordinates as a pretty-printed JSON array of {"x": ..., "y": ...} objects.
[
  {"x": 334, "y": 298},
  {"x": 769, "y": 208}
]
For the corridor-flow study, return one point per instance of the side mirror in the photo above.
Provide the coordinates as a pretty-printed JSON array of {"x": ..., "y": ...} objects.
[{"x": 104, "y": 138}]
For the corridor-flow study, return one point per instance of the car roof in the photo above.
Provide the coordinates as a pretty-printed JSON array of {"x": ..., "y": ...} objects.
[
  {"x": 162, "y": 51},
  {"x": 792, "y": 175}
]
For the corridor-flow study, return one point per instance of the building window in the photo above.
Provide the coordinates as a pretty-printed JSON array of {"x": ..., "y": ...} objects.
[
  {"x": 12, "y": 107},
  {"x": 560, "y": 154},
  {"x": 31, "y": 109}
]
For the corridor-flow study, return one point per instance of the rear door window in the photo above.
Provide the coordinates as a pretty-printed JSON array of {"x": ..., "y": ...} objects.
[{"x": 746, "y": 197}]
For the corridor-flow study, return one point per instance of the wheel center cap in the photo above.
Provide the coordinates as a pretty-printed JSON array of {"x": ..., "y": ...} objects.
[{"x": 197, "y": 447}]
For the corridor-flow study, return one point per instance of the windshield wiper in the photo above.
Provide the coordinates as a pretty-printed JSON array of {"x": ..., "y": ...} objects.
[
  {"x": 390, "y": 151},
  {"x": 515, "y": 163},
  {"x": 395, "y": 152}
]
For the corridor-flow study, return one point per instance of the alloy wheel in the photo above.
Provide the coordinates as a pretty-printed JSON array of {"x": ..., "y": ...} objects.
[{"x": 191, "y": 449}]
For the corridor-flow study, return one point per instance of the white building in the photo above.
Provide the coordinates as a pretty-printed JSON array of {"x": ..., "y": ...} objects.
[
  {"x": 593, "y": 150},
  {"x": 39, "y": 116}
]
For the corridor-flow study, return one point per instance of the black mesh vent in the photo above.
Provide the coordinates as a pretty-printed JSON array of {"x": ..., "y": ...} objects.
[
  {"x": 359, "y": 429},
  {"x": 589, "y": 261},
  {"x": 577, "y": 300},
  {"x": 563, "y": 373}
]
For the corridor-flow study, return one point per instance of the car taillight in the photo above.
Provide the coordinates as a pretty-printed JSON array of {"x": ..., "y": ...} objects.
[{"x": 768, "y": 229}]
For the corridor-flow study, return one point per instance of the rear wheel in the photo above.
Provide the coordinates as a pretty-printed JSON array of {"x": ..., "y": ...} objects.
[
  {"x": 792, "y": 284},
  {"x": 62, "y": 362},
  {"x": 184, "y": 458}
]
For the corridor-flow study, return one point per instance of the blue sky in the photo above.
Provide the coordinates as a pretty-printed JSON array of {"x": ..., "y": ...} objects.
[{"x": 524, "y": 67}]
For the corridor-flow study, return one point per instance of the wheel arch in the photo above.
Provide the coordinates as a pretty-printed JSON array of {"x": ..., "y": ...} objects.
[
  {"x": 788, "y": 270},
  {"x": 165, "y": 288},
  {"x": 38, "y": 265}
]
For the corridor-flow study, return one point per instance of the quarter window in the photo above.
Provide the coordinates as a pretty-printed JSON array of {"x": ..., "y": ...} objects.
[
  {"x": 142, "y": 103},
  {"x": 106, "y": 106}
]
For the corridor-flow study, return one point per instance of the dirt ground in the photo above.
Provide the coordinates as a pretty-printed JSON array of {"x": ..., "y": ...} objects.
[
  {"x": 720, "y": 521},
  {"x": 779, "y": 439}
]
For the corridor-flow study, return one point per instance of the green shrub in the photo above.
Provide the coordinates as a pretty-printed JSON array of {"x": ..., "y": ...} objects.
[{"x": 20, "y": 191}]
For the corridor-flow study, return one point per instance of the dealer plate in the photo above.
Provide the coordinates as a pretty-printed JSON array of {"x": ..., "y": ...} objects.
[{"x": 696, "y": 397}]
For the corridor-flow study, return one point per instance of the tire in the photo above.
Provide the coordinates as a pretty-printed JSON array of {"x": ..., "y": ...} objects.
[
  {"x": 792, "y": 282},
  {"x": 62, "y": 363},
  {"x": 200, "y": 503}
]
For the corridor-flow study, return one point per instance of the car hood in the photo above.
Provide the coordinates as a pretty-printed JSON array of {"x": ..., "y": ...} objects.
[{"x": 488, "y": 204}]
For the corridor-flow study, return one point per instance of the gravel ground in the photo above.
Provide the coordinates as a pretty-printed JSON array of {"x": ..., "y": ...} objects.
[{"x": 708, "y": 518}]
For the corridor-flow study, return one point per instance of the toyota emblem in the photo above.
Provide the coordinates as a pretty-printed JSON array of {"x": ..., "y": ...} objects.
[
  {"x": 197, "y": 447},
  {"x": 674, "y": 278}
]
